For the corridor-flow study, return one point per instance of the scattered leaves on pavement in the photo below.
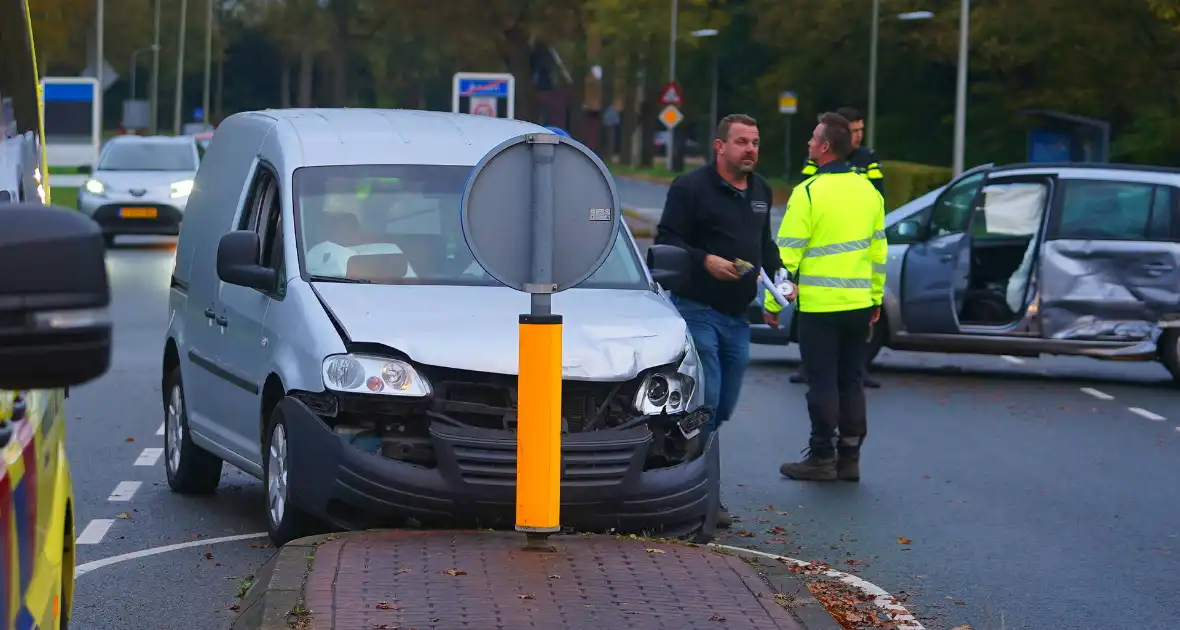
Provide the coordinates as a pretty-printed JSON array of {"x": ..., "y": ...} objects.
[
  {"x": 455, "y": 572},
  {"x": 852, "y": 608}
]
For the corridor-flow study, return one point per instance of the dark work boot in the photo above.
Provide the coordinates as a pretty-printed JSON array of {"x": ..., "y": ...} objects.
[
  {"x": 799, "y": 377},
  {"x": 848, "y": 459},
  {"x": 813, "y": 468},
  {"x": 724, "y": 520},
  {"x": 870, "y": 383}
]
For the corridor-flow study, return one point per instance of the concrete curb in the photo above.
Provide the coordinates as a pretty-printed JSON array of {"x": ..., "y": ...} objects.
[{"x": 275, "y": 598}]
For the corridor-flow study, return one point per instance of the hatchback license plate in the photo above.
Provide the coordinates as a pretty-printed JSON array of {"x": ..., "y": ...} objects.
[{"x": 137, "y": 213}]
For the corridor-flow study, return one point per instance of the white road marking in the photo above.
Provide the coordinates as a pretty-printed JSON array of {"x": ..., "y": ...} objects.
[
  {"x": 1097, "y": 394},
  {"x": 94, "y": 532},
  {"x": 160, "y": 431},
  {"x": 880, "y": 597},
  {"x": 83, "y": 569},
  {"x": 124, "y": 491},
  {"x": 1146, "y": 414},
  {"x": 1016, "y": 360},
  {"x": 149, "y": 456}
]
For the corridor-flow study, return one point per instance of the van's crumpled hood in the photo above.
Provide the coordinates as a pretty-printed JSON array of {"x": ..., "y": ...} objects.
[{"x": 608, "y": 335}]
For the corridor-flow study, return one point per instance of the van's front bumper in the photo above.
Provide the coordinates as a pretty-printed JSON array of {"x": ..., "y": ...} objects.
[{"x": 604, "y": 484}]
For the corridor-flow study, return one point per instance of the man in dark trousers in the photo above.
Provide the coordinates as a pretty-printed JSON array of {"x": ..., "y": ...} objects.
[
  {"x": 863, "y": 161},
  {"x": 832, "y": 242},
  {"x": 720, "y": 213}
]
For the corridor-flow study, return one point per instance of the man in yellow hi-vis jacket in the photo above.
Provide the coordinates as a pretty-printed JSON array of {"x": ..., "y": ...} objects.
[{"x": 832, "y": 243}]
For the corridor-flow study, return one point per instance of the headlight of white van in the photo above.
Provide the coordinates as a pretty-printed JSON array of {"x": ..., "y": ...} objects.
[
  {"x": 373, "y": 375},
  {"x": 182, "y": 188},
  {"x": 673, "y": 392}
]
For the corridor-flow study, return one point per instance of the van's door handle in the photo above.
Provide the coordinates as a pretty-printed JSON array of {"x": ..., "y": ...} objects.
[
  {"x": 209, "y": 313},
  {"x": 1157, "y": 268},
  {"x": 946, "y": 257},
  {"x": 221, "y": 321}
]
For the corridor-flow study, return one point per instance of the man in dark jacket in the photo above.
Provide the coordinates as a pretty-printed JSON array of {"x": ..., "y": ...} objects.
[
  {"x": 720, "y": 213},
  {"x": 863, "y": 161}
]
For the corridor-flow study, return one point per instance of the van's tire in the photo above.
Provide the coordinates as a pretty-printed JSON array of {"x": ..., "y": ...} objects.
[
  {"x": 1169, "y": 349},
  {"x": 284, "y": 520},
  {"x": 190, "y": 468}
]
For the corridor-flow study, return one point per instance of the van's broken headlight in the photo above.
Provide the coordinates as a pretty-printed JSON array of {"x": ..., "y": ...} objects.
[
  {"x": 373, "y": 375},
  {"x": 672, "y": 392}
]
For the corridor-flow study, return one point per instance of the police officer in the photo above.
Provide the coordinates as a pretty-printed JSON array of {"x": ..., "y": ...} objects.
[
  {"x": 863, "y": 161},
  {"x": 832, "y": 242},
  {"x": 720, "y": 214}
]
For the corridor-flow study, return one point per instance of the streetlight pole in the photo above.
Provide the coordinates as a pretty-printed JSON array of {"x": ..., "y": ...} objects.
[
  {"x": 670, "y": 139},
  {"x": 154, "y": 116},
  {"x": 872, "y": 119},
  {"x": 135, "y": 66},
  {"x": 712, "y": 32},
  {"x": 179, "y": 70},
  {"x": 961, "y": 88},
  {"x": 100, "y": 61},
  {"x": 208, "y": 60}
]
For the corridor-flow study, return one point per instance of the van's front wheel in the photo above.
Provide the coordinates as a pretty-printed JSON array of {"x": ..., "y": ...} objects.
[
  {"x": 1169, "y": 349},
  {"x": 284, "y": 520}
]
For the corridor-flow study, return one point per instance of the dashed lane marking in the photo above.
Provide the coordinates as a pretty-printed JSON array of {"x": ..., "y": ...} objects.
[
  {"x": 1097, "y": 394},
  {"x": 1146, "y": 414},
  {"x": 149, "y": 456},
  {"x": 94, "y": 532},
  {"x": 1010, "y": 359},
  {"x": 83, "y": 569},
  {"x": 160, "y": 431},
  {"x": 879, "y": 596},
  {"x": 124, "y": 491}
]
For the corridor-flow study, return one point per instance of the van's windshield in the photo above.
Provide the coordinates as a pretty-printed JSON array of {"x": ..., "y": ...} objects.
[{"x": 413, "y": 210}]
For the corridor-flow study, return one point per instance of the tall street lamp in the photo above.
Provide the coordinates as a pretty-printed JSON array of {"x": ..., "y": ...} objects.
[
  {"x": 961, "y": 88},
  {"x": 669, "y": 139},
  {"x": 176, "y": 120},
  {"x": 712, "y": 32},
  {"x": 135, "y": 65},
  {"x": 208, "y": 60},
  {"x": 153, "y": 117},
  {"x": 873, "y": 40}
]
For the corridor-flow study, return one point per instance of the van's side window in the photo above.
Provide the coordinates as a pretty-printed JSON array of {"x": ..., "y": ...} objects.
[
  {"x": 1126, "y": 211},
  {"x": 255, "y": 207}
]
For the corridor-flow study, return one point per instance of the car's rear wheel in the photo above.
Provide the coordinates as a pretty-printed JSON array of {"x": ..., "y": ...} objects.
[
  {"x": 190, "y": 468},
  {"x": 284, "y": 520},
  {"x": 1169, "y": 349}
]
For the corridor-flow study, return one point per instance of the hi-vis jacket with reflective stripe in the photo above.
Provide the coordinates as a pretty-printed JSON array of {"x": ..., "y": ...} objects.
[
  {"x": 863, "y": 161},
  {"x": 832, "y": 241}
]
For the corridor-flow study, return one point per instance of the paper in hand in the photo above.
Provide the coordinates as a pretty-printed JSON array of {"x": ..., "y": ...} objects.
[{"x": 779, "y": 291}]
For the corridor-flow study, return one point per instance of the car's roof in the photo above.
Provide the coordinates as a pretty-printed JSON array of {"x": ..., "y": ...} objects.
[
  {"x": 131, "y": 138},
  {"x": 392, "y": 136},
  {"x": 1094, "y": 170}
]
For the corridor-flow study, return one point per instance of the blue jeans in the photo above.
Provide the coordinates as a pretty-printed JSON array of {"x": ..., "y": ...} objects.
[{"x": 723, "y": 343}]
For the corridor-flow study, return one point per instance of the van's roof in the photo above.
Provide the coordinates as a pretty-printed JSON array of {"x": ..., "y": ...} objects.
[{"x": 392, "y": 136}]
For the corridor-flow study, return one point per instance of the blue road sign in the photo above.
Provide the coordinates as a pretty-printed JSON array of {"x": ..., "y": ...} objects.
[
  {"x": 483, "y": 87},
  {"x": 199, "y": 114},
  {"x": 68, "y": 92}
]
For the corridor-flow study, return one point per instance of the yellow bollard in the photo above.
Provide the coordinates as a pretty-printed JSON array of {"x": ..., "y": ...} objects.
[{"x": 538, "y": 426}]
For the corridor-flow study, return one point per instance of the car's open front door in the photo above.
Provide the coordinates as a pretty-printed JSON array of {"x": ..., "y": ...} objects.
[{"x": 936, "y": 269}]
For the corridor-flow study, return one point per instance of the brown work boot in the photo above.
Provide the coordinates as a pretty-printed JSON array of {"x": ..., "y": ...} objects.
[
  {"x": 812, "y": 468},
  {"x": 848, "y": 467}
]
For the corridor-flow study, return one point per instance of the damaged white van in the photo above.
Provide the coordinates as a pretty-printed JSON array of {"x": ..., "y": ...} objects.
[{"x": 332, "y": 335}]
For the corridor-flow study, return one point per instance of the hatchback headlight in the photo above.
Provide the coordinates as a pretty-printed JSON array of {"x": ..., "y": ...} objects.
[
  {"x": 373, "y": 375},
  {"x": 672, "y": 392},
  {"x": 94, "y": 187},
  {"x": 182, "y": 188}
]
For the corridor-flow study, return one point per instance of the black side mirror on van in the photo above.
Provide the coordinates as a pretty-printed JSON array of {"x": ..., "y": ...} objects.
[
  {"x": 238, "y": 261},
  {"x": 55, "y": 329},
  {"x": 670, "y": 266}
]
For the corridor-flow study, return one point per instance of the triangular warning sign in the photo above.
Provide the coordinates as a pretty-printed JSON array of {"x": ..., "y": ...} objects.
[{"x": 671, "y": 95}]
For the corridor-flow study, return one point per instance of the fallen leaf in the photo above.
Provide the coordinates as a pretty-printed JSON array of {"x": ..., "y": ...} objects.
[
  {"x": 655, "y": 550},
  {"x": 745, "y": 534},
  {"x": 527, "y": 596},
  {"x": 403, "y": 570},
  {"x": 716, "y": 618},
  {"x": 901, "y": 540},
  {"x": 130, "y": 439},
  {"x": 124, "y": 515},
  {"x": 555, "y": 577},
  {"x": 387, "y": 606},
  {"x": 234, "y": 606},
  {"x": 208, "y": 555},
  {"x": 455, "y": 572},
  {"x": 253, "y": 545}
]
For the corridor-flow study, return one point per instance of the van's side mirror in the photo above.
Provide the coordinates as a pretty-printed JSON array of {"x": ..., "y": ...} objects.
[
  {"x": 909, "y": 230},
  {"x": 670, "y": 266},
  {"x": 55, "y": 329},
  {"x": 238, "y": 261}
]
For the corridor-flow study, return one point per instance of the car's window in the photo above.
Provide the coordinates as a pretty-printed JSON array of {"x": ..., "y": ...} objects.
[
  {"x": 148, "y": 156},
  {"x": 1115, "y": 210},
  {"x": 1012, "y": 209},
  {"x": 952, "y": 209},
  {"x": 412, "y": 210}
]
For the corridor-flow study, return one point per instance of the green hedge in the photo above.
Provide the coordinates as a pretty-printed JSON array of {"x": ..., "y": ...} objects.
[{"x": 907, "y": 180}]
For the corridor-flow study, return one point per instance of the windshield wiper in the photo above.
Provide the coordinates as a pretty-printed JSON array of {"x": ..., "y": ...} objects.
[{"x": 340, "y": 280}]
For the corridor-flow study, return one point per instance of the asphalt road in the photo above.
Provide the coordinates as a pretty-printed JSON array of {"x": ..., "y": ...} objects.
[{"x": 1023, "y": 498}]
